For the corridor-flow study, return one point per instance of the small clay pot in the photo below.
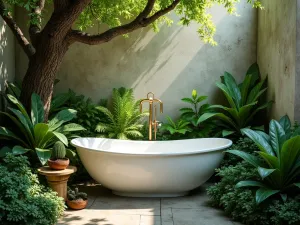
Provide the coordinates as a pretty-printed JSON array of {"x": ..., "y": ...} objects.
[
  {"x": 77, "y": 204},
  {"x": 58, "y": 164}
]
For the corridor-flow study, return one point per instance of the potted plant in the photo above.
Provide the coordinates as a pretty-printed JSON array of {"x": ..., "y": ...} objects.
[
  {"x": 58, "y": 160},
  {"x": 76, "y": 199}
]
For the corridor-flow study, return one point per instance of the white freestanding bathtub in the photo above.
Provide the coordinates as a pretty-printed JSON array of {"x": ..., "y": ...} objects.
[{"x": 151, "y": 168}]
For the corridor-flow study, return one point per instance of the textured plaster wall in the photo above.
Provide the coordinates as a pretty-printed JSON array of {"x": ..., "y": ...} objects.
[
  {"x": 276, "y": 54},
  {"x": 170, "y": 63},
  {"x": 7, "y": 54}
]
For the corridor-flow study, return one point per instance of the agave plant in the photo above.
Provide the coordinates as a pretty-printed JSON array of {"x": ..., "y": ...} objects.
[
  {"x": 193, "y": 113},
  {"x": 124, "y": 120},
  {"x": 243, "y": 100},
  {"x": 31, "y": 133},
  {"x": 277, "y": 162}
]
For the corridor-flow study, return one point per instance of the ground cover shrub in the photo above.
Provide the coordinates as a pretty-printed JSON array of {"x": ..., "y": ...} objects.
[
  {"x": 29, "y": 133},
  {"x": 240, "y": 203},
  {"x": 123, "y": 118},
  {"x": 23, "y": 200},
  {"x": 244, "y": 102}
]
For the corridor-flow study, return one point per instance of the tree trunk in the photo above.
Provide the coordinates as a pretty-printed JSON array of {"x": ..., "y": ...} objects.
[{"x": 41, "y": 72}]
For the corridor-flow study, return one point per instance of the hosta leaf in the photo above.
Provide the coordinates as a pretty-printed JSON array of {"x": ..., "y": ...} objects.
[
  {"x": 19, "y": 150},
  {"x": 264, "y": 193},
  {"x": 43, "y": 155},
  {"x": 61, "y": 137},
  {"x": 37, "y": 109},
  {"x": 259, "y": 140},
  {"x": 264, "y": 172},
  {"x": 253, "y": 160},
  {"x": 249, "y": 183}
]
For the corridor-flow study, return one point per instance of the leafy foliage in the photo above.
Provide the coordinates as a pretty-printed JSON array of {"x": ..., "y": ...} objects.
[
  {"x": 31, "y": 134},
  {"x": 240, "y": 204},
  {"x": 117, "y": 12},
  {"x": 124, "y": 120},
  {"x": 23, "y": 199},
  {"x": 243, "y": 100},
  {"x": 176, "y": 129},
  {"x": 280, "y": 152},
  {"x": 76, "y": 195}
]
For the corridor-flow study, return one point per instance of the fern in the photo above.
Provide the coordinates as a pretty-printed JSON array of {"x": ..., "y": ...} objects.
[{"x": 124, "y": 120}]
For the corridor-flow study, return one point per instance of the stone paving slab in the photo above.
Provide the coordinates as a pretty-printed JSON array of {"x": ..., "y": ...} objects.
[{"x": 104, "y": 208}]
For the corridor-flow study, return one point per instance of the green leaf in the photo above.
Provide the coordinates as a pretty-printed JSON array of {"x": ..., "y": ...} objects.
[
  {"x": 4, "y": 151},
  {"x": 290, "y": 153},
  {"x": 19, "y": 150},
  {"x": 188, "y": 100},
  {"x": 259, "y": 140},
  {"x": 249, "y": 183},
  {"x": 37, "y": 109},
  {"x": 61, "y": 137},
  {"x": 220, "y": 116},
  {"x": 272, "y": 161},
  {"x": 245, "y": 87},
  {"x": 264, "y": 172},
  {"x": 297, "y": 185},
  {"x": 285, "y": 123},
  {"x": 254, "y": 71},
  {"x": 233, "y": 88},
  {"x": 62, "y": 117},
  {"x": 283, "y": 197},
  {"x": 201, "y": 98},
  {"x": 227, "y": 132},
  {"x": 71, "y": 127},
  {"x": 43, "y": 155},
  {"x": 19, "y": 105},
  {"x": 59, "y": 100},
  {"x": 8, "y": 135},
  {"x": 253, "y": 160},
  {"x": 40, "y": 131},
  {"x": 277, "y": 136},
  {"x": 264, "y": 193},
  {"x": 227, "y": 94},
  {"x": 70, "y": 154}
]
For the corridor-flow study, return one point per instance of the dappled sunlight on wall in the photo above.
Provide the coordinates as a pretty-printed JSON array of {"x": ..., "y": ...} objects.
[{"x": 7, "y": 54}]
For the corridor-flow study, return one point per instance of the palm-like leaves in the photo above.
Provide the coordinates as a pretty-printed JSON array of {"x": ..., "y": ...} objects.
[
  {"x": 278, "y": 161},
  {"x": 243, "y": 101},
  {"x": 124, "y": 119},
  {"x": 179, "y": 127},
  {"x": 31, "y": 133}
]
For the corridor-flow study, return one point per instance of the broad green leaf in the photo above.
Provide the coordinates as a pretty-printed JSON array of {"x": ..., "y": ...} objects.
[
  {"x": 12, "y": 89},
  {"x": 244, "y": 113},
  {"x": 264, "y": 172},
  {"x": 221, "y": 116},
  {"x": 4, "y": 151},
  {"x": 253, "y": 160},
  {"x": 233, "y": 88},
  {"x": 227, "y": 132},
  {"x": 277, "y": 136},
  {"x": 37, "y": 109},
  {"x": 61, "y": 137},
  {"x": 59, "y": 100},
  {"x": 43, "y": 155},
  {"x": 290, "y": 153},
  {"x": 8, "y": 135},
  {"x": 264, "y": 106},
  {"x": 201, "y": 98},
  {"x": 259, "y": 140},
  {"x": 254, "y": 71},
  {"x": 245, "y": 87},
  {"x": 285, "y": 123},
  {"x": 249, "y": 183},
  {"x": 19, "y": 105},
  {"x": 227, "y": 94},
  {"x": 186, "y": 110},
  {"x": 40, "y": 131},
  {"x": 264, "y": 193},
  {"x": 19, "y": 150},
  {"x": 255, "y": 91},
  {"x": 272, "y": 161},
  {"x": 71, "y": 127},
  {"x": 62, "y": 117},
  {"x": 188, "y": 100}
]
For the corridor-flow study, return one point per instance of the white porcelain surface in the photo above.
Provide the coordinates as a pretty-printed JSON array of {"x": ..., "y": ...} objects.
[{"x": 151, "y": 168}]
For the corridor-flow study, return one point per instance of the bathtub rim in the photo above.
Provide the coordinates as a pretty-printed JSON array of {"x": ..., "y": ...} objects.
[{"x": 154, "y": 154}]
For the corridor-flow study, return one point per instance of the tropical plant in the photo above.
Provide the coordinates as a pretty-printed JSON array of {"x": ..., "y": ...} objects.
[
  {"x": 240, "y": 204},
  {"x": 278, "y": 160},
  {"x": 193, "y": 113},
  {"x": 244, "y": 101},
  {"x": 176, "y": 129},
  {"x": 32, "y": 134},
  {"x": 23, "y": 199},
  {"x": 124, "y": 120}
]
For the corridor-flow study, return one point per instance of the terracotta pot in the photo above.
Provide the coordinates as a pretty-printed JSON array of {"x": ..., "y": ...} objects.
[
  {"x": 77, "y": 204},
  {"x": 58, "y": 164}
]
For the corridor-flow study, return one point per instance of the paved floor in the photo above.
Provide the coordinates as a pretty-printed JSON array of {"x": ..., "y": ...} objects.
[{"x": 105, "y": 208}]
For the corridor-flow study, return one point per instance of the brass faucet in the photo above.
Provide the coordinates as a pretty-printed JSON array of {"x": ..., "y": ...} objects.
[{"x": 152, "y": 121}]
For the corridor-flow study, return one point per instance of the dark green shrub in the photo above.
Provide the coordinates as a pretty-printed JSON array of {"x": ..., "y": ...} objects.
[
  {"x": 240, "y": 203},
  {"x": 22, "y": 199}
]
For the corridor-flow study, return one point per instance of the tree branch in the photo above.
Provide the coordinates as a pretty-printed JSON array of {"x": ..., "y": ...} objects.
[
  {"x": 140, "y": 21},
  {"x": 35, "y": 28},
  {"x": 22, "y": 40}
]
